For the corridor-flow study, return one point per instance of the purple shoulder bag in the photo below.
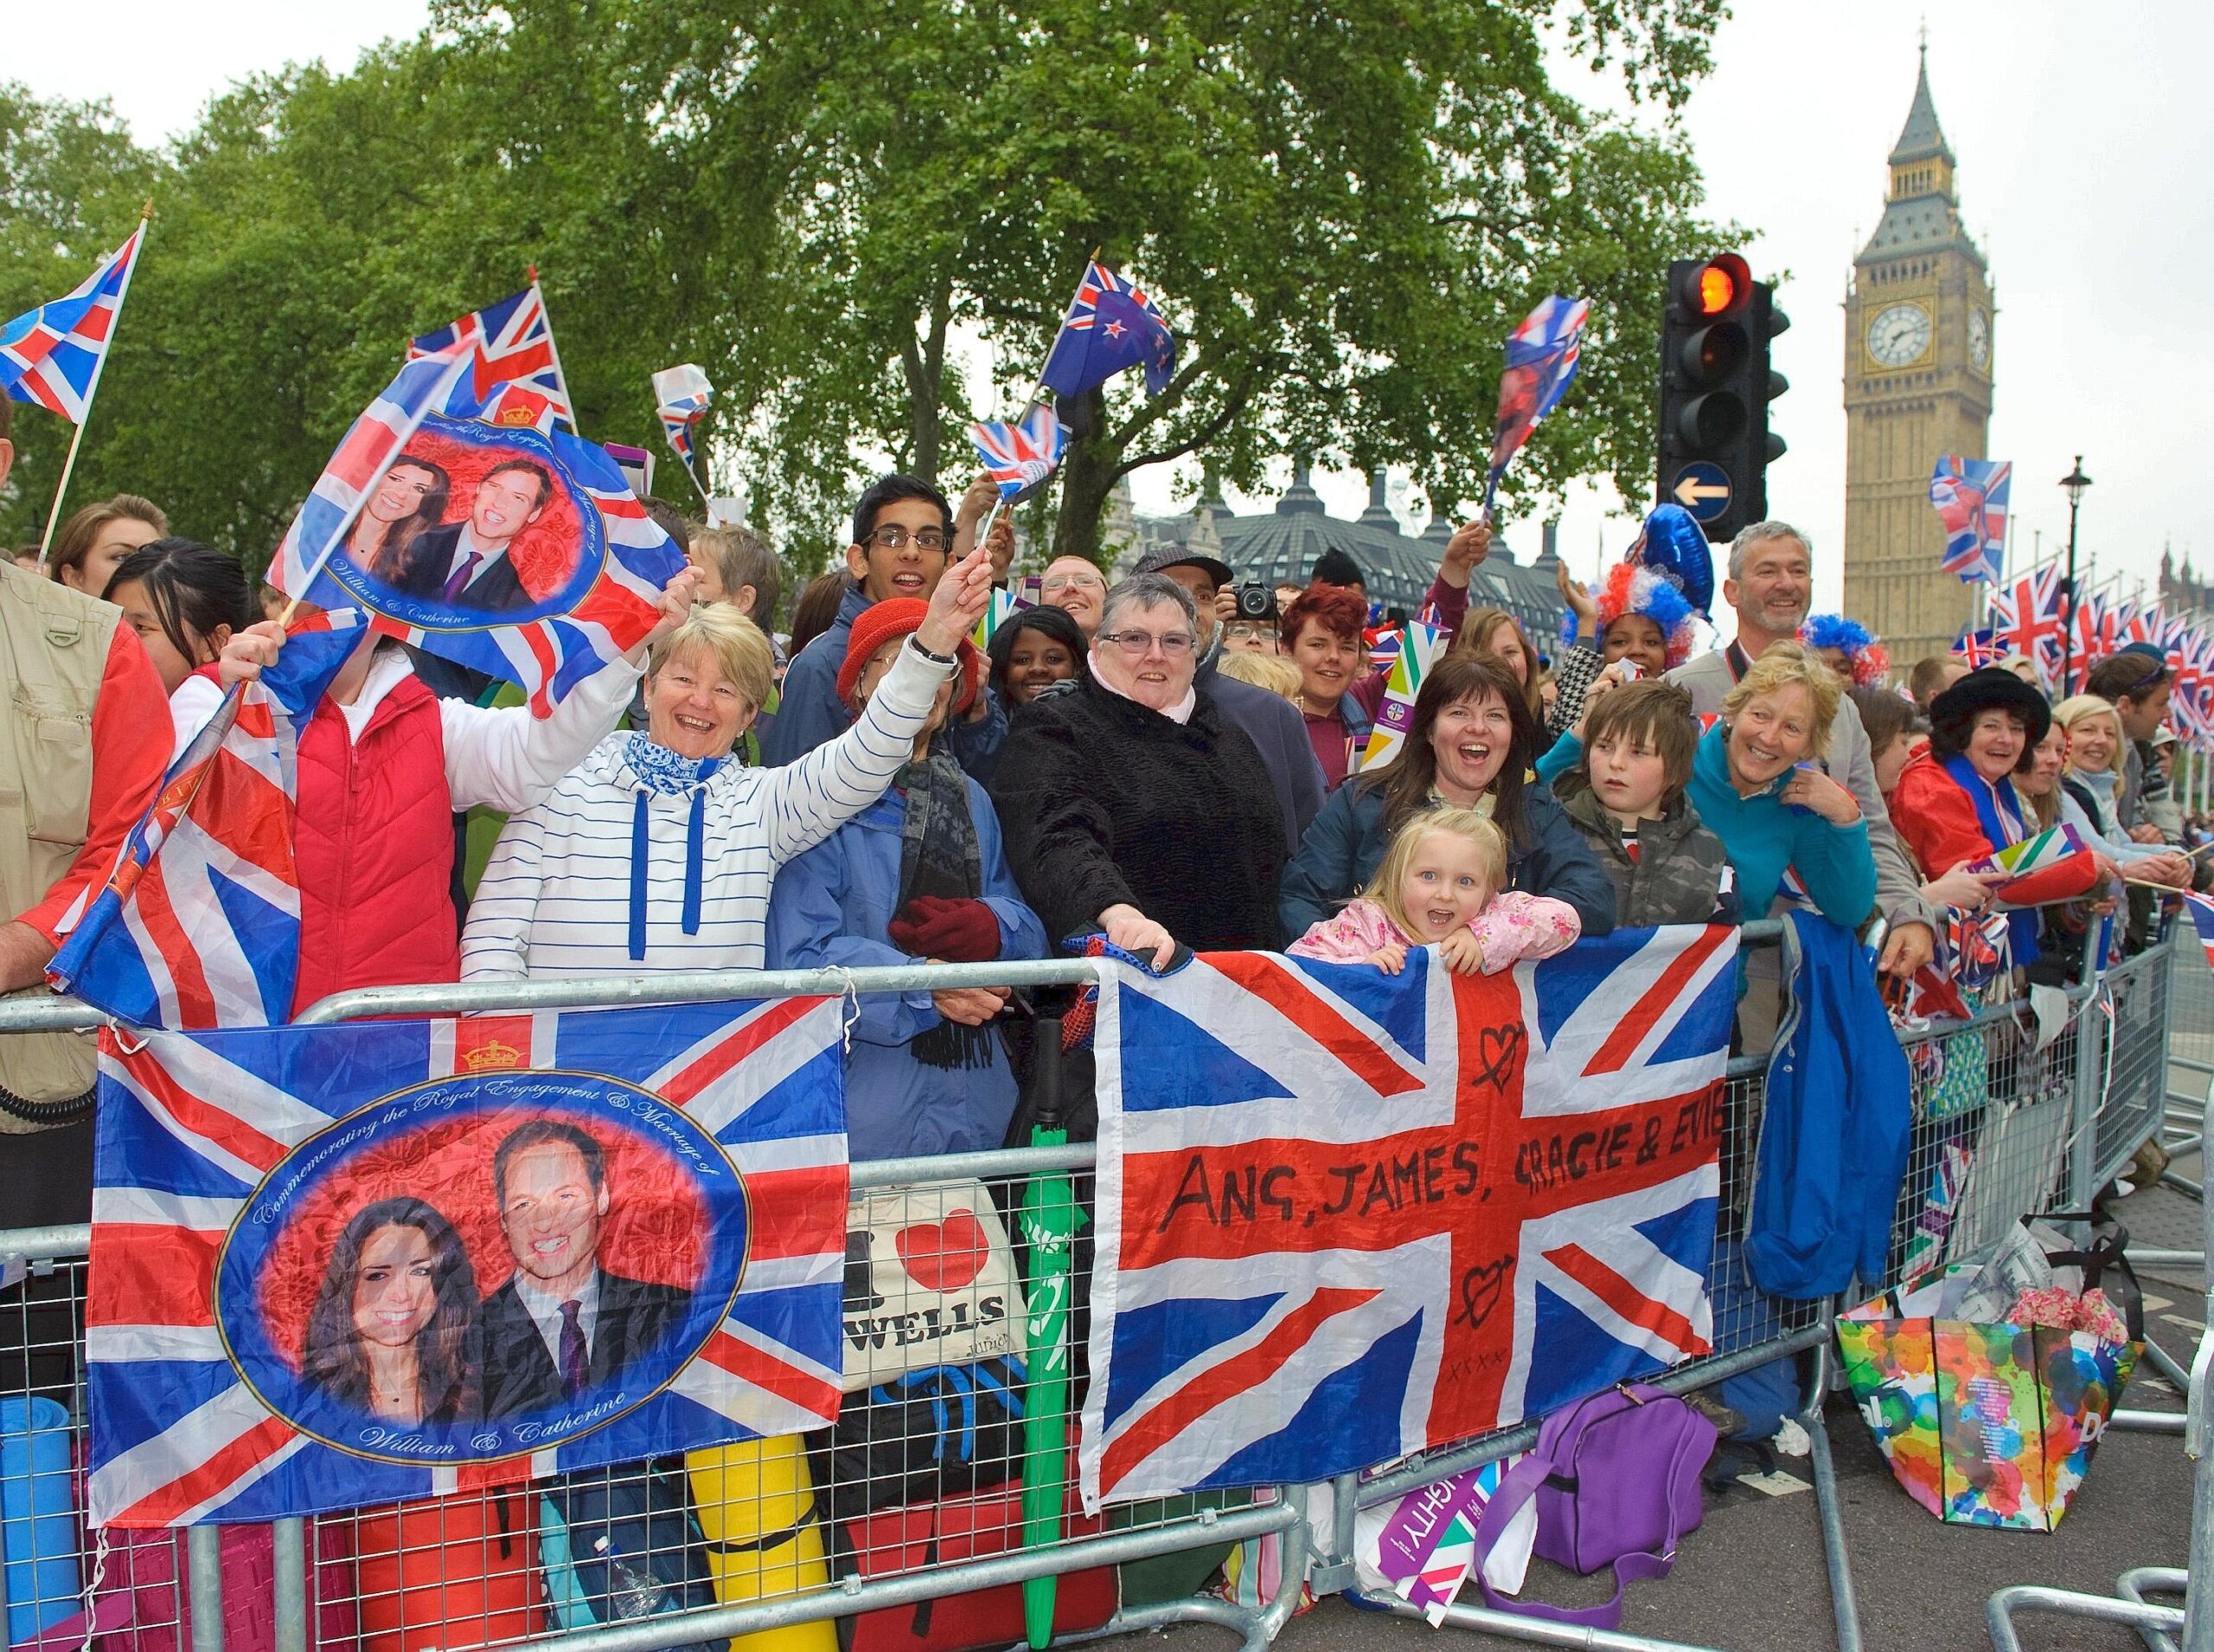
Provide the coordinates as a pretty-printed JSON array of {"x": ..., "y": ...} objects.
[{"x": 1617, "y": 1477}]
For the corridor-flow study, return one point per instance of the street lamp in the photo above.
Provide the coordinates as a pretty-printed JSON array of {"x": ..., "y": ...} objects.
[{"x": 2074, "y": 482}]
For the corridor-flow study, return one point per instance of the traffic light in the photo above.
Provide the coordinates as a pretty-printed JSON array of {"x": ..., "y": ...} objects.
[{"x": 1716, "y": 384}]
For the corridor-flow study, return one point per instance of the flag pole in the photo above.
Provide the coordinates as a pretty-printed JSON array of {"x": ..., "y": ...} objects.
[
  {"x": 100, "y": 366},
  {"x": 463, "y": 357},
  {"x": 1036, "y": 394},
  {"x": 554, "y": 348}
]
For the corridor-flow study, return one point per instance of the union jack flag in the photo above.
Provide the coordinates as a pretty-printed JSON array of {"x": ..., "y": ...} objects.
[
  {"x": 1970, "y": 496},
  {"x": 224, "y": 1155},
  {"x": 1019, "y": 457},
  {"x": 198, "y": 925},
  {"x": 51, "y": 355},
  {"x": 1979, "y": 648},
  {"x": 509, "y": 342},
  {"x": 2201, "y": 908},
  {"x": 1346, "y": 1215},
  {"x": 546, "y": 656},
  {"x": 2030, "y": 617},
  {"x": 1541, "y": 360},
  {"x": 681, "y": 395},
  {"x": 1111, "y": 325}
]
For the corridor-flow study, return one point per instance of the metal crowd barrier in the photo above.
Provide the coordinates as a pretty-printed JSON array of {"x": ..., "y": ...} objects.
[{"x": 2042, "y": 1131}]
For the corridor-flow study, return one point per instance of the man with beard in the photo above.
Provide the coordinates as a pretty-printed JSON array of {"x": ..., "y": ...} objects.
[{"x": 1771, "y": 585}]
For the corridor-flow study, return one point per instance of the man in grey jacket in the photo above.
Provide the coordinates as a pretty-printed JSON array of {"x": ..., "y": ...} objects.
[{"x": 1771, "y": 585}]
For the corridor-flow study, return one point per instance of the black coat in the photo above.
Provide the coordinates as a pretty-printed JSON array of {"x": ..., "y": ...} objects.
[
  {"x": 1102, "y": 802},
  {"x": 422, "y": 574},
  {"x": 520, "y": 1374}
]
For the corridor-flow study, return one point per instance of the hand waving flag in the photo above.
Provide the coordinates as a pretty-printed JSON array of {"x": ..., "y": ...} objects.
[
  {"x": 1541, "y": 358},
  {"x": 198, "y": 925}
]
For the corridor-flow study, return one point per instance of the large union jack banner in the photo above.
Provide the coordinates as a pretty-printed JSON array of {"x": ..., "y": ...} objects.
[
  {"x": 1345, "y": 1216},
  {"x": 361, "y": 1264}
]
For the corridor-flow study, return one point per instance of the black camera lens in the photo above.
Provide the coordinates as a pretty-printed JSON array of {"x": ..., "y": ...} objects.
[{"x": 1255, "y": 602}]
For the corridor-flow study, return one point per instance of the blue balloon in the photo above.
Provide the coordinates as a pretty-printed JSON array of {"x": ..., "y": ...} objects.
[{"x": 1674, "y": 543}]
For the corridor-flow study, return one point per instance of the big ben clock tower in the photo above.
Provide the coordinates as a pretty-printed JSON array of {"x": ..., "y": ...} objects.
[{"x": 1917, "y": 385}]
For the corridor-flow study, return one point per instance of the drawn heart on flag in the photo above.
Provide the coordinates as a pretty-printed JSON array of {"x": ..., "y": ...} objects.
[
  {"x": 1479, "y": 1288},
  {"x": 944, "y": 1256}
]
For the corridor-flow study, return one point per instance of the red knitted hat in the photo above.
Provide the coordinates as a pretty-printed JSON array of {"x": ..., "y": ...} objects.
[{"x": 896, "y": 617}]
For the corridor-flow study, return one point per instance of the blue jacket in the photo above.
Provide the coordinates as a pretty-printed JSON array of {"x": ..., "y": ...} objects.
[
  {"x": 1763, "y": 835},
  {"x": 1346, "y": 844},
  {"x": 1833, "y": 1133},
  {"x": 1279, "y": 735},
  {"x": 810, "y": 711},
  {"x": 829, "y": 908}
]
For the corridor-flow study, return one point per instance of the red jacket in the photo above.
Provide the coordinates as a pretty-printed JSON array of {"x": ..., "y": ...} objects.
[
  {"x": 1937, "y": 821},
  {"x": 373, "y": 836}
]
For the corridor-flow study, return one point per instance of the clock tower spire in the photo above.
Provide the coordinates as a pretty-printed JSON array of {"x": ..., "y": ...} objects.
[{"x": 1917, "y": 385}]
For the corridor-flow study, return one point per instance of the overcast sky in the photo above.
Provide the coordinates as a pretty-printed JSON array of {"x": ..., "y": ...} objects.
[{"x": 2080, "y": 160}]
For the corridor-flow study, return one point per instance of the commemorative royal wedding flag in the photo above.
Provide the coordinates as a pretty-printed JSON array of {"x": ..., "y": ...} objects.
[
  {"x": 378, "y": 1261},
  {"x": 1346, "y": 1215}
]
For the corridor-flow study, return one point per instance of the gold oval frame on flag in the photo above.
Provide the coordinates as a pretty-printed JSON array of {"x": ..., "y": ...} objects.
[
  {"x": 670, "y": 1234},
  {"x": 449, "y": 470}
]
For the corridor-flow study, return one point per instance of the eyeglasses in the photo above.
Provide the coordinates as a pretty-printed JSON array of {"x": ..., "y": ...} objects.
[
  {"x": 1175, "y": 644},
  {"x": 1063, "y": 581},
  {"x": 1240, "y": 630},
  {"x": 892, "y": 537}
]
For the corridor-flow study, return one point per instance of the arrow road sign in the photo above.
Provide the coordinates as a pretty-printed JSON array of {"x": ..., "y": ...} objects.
[{"x": 1703, "y": 489}]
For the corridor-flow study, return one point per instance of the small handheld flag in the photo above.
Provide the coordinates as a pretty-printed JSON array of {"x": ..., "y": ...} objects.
[
  {"x": 1541, "y": 360},
  {"x": 1019, "y": 457},
  {"x": 1978, "y": 649},
  {"x": 1970, "y": 497},
  {"x": 2047, "y": 849},
  {"x": 1417, "y": 651},
  {"x": 2201, "y": 908},
  {"x": 52, "y": 355},
  {"x": 511, "y": 343},
  {"x": 681, "y": 395},
  {"x": 1110, "y": 326}
]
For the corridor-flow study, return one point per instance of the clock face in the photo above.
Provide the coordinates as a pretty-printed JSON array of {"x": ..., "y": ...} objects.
[
  {"x": 1979, "y": 339},
  {"x": 1900, "y": 335}
]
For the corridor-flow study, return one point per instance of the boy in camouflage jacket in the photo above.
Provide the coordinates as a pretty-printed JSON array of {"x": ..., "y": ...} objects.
[{"x": 1626, "y": 796}]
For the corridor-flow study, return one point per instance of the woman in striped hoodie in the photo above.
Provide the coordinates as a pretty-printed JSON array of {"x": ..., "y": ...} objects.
[{"x": 656, "y": 853}]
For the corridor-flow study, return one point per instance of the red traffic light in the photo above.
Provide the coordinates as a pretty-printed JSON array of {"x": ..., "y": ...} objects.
[{"x": 1721, "y": 286}]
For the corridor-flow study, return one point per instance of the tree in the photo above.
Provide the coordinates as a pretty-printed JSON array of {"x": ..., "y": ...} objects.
[
  {"x": 1347, "y": 209},
  {"x": 827, "y": 203}
]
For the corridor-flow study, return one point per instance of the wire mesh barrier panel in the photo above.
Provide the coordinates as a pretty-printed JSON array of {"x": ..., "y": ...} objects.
[
  {"x": 949, "y": 1477},
  {"x": 951, "y": 1449},
  {"x": 2130, "y": 1073}
]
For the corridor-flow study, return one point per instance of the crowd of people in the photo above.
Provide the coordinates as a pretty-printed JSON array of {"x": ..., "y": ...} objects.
[{"x": 1147, "y": 758}]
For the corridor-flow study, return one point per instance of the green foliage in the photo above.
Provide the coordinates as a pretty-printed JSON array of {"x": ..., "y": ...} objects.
[{"x": 827, "y": 203}]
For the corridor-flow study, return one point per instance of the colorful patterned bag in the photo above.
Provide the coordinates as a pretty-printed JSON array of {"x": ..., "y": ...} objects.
[{"x": 1983, "y": 1424}]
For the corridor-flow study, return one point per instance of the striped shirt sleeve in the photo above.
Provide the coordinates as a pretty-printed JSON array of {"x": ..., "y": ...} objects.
[{"x": 807, "y": 800}]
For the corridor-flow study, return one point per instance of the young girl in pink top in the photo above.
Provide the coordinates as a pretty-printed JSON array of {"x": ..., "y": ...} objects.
[{"x": 1441, "y": 885}]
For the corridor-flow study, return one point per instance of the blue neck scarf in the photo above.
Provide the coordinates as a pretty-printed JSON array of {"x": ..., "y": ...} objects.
[
  {"x": 662, "y": 771},
  {"x": 1998, "y": 811}
]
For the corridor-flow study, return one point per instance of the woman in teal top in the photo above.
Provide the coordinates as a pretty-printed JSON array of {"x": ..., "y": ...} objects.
[{"x": 1755, "y": 787}]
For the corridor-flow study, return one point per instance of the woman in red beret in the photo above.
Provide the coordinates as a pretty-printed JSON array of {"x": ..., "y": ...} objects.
[{"x": 918, "y": 876}]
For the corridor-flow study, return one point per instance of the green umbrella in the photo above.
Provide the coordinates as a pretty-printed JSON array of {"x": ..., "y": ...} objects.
[{"x": 1050, "y": 1218}]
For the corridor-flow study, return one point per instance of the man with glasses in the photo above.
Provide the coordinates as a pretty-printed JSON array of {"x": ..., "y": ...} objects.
[
  {"x": 904, "y": 535},
  {"x": 1271, "y": 721},
  {"x": 1073, "y": 585}
]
